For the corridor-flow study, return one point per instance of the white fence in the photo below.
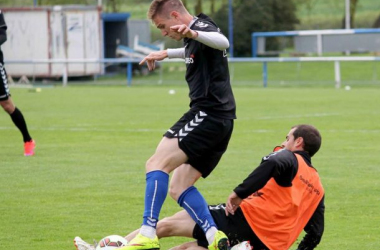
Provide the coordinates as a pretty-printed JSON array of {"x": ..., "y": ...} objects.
[
  {"x": 53, "y": 33},
  {"x": 262, "y": 60},
  {"x": 322, "y": 41}
]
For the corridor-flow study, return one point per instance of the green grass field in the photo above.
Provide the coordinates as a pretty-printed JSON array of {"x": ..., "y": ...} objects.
[{"x": 87, "y": 177}]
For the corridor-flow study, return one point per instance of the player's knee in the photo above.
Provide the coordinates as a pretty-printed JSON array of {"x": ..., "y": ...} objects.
[
  {"x": 157, "y": 163},
  {"x": 8, "y": 107},
  {"x": 151, "y": 164},
  {"x": 174, "y": 192}
]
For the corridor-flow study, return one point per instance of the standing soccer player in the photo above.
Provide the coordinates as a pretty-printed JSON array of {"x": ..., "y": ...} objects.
[
  {"x": 6, "y": 100},
  {"x": 193, "y": 146}
]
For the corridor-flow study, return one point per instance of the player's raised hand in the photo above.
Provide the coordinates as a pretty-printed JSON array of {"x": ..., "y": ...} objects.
[
  {"x": 153, "y": 57},
  {"x": 233, "y": 202},
  {"x": 184, "y": 31}
]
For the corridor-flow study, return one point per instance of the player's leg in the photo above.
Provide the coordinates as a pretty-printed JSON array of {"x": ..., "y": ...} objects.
[
  {"x": 132, "y": 235},
  {"x": 189, "y": 198},
  {"x": 205, "y": 144},
  {"x": 179, "y": 224},
  {"x": 188, "y": 246},
  {"x": 167, "y": 157},
  {"x": 15, "y": 114},
  {"x": 196, "y": 206},
  {"x": 18, "y": 119},
  {"x": 183, "y": 177}
]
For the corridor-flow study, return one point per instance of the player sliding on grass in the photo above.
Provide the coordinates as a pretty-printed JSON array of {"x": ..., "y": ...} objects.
[
  {"x": 193, "y": 146},
  {"x": 6, "y": 100},
  {"x": 270, "y": 208}
]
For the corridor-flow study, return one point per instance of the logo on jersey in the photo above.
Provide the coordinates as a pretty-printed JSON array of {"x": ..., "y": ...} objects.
[
  {"x": 190, "y": 60},
  {"x": 224, "y": 53},
  {"x": 271, "y": 154},
  {"x": 201, "y": 24}
]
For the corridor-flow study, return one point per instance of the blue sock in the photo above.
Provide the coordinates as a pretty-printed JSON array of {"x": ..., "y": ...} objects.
[
  {"x": 194, "y": 203},
  {"x": 155, "y": 193}
]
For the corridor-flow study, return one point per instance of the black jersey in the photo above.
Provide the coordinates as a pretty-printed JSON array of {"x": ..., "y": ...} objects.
[
  {"x": 207, "y": 74},
  {"x": 3, "y": 34}
]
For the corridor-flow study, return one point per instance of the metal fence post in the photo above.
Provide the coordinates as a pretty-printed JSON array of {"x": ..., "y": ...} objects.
[
  {"x": 265, "y": 74},
  {"x": 337, "y": 74},
  {"x": 129, "y": 74}
]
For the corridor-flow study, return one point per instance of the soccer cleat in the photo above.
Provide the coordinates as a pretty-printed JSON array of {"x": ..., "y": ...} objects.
[
  {"x": 245, "y": 245},
  {"x": 220, "y": 242},
  {"x": 141, "y": 242},
  {"x": 29, "y": 148},
  {"x": 82, "y": 245}
]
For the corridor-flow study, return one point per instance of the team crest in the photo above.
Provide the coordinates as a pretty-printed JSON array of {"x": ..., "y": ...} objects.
[{"x": 201, "y": 24}]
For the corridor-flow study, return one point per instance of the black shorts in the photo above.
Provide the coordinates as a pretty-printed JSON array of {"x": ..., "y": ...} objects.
[
  {"x": 4, "y": 89},
  {"x": 203, "y": 137},
  {"x": 234, "y": 226}
]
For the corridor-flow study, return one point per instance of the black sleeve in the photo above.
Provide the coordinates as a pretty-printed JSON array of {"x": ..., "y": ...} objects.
[
  {"x": 314, "y": 228},
  {"x": 281, "y": 165},
  {"x": 256, "y": 180},
  {"x": 3, "y": 29},
  {"x": 3, "y": 36}
]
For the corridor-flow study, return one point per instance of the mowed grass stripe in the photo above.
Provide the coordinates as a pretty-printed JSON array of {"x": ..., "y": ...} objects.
[{"x": 88, "y": 175}]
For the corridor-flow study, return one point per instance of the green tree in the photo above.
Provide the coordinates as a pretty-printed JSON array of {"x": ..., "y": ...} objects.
[
  {"x": 198, "y": 7},
  {"x": 254, "y": 16},
  {"x": 376, "y": 24},
  {"x": 112, "y": 6},
  {"x": 353, "y": 5},
  {"x": 212, "y": 7}
]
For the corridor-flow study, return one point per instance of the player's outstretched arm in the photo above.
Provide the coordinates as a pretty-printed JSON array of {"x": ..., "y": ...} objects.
[{"x": 153, "y": 57}]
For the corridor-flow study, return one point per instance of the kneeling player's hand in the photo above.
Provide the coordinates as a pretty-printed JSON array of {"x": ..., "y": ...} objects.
[{"x": 233, "y": 202}]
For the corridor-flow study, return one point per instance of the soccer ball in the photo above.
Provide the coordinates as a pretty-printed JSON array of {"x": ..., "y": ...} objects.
[{"x": 111, "y": 242}]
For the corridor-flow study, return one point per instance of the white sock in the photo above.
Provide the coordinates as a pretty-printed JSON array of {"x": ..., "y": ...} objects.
[
  {"x": 148, "y": 231},
  {"x": 210, "y": 234}
]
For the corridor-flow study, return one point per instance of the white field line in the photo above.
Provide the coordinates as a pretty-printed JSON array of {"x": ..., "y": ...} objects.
[
  {"x": 296, "y": 116},
  {"x": 78, "y": 129},
  {"x": 142, "y": 130}
]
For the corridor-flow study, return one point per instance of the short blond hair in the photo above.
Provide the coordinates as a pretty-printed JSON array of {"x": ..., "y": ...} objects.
[{"x": 164, "y": 8}]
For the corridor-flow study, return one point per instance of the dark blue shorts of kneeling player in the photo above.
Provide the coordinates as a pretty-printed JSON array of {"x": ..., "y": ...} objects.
[
  {"x": 234, "y": 226},
  {"x": 203, "y": 137}
]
